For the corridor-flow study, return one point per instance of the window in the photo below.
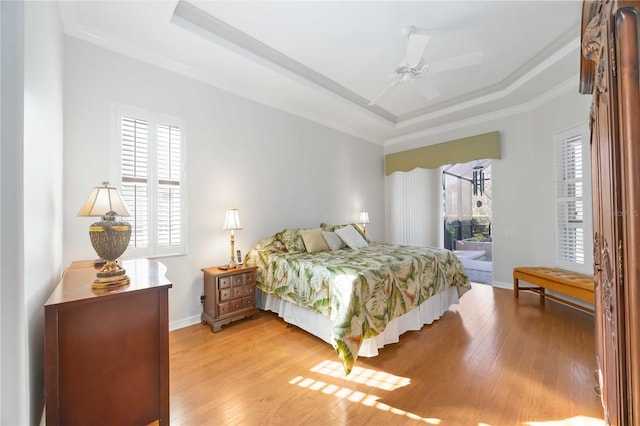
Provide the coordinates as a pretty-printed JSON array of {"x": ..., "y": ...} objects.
[
  {"x": 150, "y": 166},
  {"x": 573, "y": 200}
]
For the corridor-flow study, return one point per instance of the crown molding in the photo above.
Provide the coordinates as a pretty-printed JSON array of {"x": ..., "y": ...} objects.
[
  {"x": 550, "y": 55},
  {"x": 144, "y": 55},
  {"x": 504, "y": 91},
  {"x": 199, "y": 22},
  {"x": 569, "y": 84}
]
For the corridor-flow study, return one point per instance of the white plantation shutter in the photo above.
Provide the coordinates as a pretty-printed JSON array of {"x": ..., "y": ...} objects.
[
  {"x": 135, "y": 174},
  {"x": 169, "y": 174},
  {"x": 570, "y": 196},
  {"x": 152, "y": 174},
  {"x": 573, "y": 201}
]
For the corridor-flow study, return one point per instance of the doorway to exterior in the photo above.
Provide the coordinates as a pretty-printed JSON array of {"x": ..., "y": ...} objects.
[{"x": 467, "y": 216}]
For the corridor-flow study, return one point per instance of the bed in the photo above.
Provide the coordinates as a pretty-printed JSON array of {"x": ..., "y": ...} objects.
[{"x": 357, "y": 296}]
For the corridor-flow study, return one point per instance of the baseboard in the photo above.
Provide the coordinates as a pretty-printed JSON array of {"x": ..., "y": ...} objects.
[
  {"x": 185, "y": 322},
  {"x": 506, "y": 286}
]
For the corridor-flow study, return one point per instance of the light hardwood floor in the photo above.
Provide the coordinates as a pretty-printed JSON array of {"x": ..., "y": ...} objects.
[{"x": 491, "y": 360}]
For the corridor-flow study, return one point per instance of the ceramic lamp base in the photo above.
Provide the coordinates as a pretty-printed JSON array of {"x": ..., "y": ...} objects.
[
  {"x": 111, "y": 275},
  {"x": 110, "y": 239}
]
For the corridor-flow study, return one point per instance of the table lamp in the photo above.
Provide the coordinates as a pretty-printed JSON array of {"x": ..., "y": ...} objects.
[
  {"x": 232, "y": 223},
  {"x": 109, "y": 237},
  {"x": 364, "y": 219}
]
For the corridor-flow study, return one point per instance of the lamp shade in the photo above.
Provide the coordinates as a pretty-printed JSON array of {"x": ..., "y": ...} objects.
[
  {"x": 364, "y": 217},
  {"x": 102, "y": 200},
  {"x": 232, "y": 220}
]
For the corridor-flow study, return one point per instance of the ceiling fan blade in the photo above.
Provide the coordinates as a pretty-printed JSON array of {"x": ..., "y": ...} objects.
[
  {"x": 383, "y": 92},
  {"x": 456, "y": 62},
  {"x": 416, "y": 44},
  {"x": 426, "y": 89}
]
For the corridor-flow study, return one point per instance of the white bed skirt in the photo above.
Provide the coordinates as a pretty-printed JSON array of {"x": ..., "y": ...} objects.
[{"x": 320, "y": 326}]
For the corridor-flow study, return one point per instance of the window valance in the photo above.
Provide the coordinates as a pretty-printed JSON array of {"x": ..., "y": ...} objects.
[{"x": 486, "y": 145}]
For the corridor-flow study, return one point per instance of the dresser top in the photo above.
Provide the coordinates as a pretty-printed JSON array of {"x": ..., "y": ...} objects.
[{"x": 75, "y": 285}]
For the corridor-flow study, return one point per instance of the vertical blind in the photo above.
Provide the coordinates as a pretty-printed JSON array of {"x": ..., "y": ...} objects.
[
  {"x": 570, "y": 199},
  {"x": 413, "y": 214}
]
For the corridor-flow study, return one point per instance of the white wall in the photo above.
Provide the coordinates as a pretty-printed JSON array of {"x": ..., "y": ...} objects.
[
  {"x": 32, "y": 138},
  {"x": 13, "y": 402},
  {"x": 43, "y": 140},
  {"x": 522, "y": 181},
  {"x": 279, "y": 170},
  {"x": 563, "y": 114}
]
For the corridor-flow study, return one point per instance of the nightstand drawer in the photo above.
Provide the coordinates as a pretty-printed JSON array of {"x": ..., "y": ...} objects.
[
  {"x": 237, "y": 280},
  {"x": 249, "y": 278},
  {"x": 235, "y": 305},
  {"x": 223, "y": 309},
  {"x": 248, "y": 290},
  {"x": 224, "y": 282},
  {"x": 225, "y": 294},
  {"x": 248, "y": 302},
  {"x": 237, "y": 292}
]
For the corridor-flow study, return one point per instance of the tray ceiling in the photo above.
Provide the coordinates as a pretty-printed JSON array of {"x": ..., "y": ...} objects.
[{"x": 326, "y": 60}]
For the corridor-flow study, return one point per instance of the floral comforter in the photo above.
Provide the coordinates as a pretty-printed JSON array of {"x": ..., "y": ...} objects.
[{"x": 359, "y": 290}]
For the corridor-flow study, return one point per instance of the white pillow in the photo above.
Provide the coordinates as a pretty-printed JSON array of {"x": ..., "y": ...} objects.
[
  {"x": 333, "y": 240},
  {"x": 351, "y": 237}
]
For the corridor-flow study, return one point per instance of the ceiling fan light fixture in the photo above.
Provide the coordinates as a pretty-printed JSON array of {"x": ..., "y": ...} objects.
[
  {"x": 408, "y": 30},
  {"x": 413, "y": 67}
]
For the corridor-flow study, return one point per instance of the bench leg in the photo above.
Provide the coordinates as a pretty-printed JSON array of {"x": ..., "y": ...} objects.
[{"x": 516, "y": 287}]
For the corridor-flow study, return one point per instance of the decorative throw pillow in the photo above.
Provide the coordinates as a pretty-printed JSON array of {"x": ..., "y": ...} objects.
[
  {"x": 292, "y": 240},
  {"x": 270, "y": 244},
  {"x": 313, "y": 240},
  {"x": 333, "y": 240},
  {"x": 332, "y": 228},
  {"x": 329, "y": 228},
  {"x": 351, "y": 237}
]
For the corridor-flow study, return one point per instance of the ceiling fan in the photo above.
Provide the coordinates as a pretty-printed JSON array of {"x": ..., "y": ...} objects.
[{"x": 412, "y": 68}]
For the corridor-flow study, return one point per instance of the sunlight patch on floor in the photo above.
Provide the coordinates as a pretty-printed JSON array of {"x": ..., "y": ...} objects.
[
  {"x": 365, "y": 376},
  {"x": 357, "y": 397},
  {"x": 573, "y": 421},
  {"x": 359, "y": 375}
]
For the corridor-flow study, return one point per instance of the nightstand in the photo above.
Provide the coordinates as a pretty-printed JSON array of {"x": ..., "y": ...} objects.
[{"x": 229, "y": 295}]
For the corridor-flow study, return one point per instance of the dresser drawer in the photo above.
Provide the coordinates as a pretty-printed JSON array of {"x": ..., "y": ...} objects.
[{"x": 248, "y": 290}]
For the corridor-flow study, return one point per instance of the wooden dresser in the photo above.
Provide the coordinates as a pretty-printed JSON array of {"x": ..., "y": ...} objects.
[
  {"x": 107, "y": 352},
  {"x": 229, "y": 295}
]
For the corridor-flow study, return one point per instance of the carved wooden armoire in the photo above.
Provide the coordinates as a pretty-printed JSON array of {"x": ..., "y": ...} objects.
[{"x": 609, "y": 71}]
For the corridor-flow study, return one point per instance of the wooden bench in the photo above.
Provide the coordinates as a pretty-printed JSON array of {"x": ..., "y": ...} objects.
[{"x": 578, "y": 286}]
